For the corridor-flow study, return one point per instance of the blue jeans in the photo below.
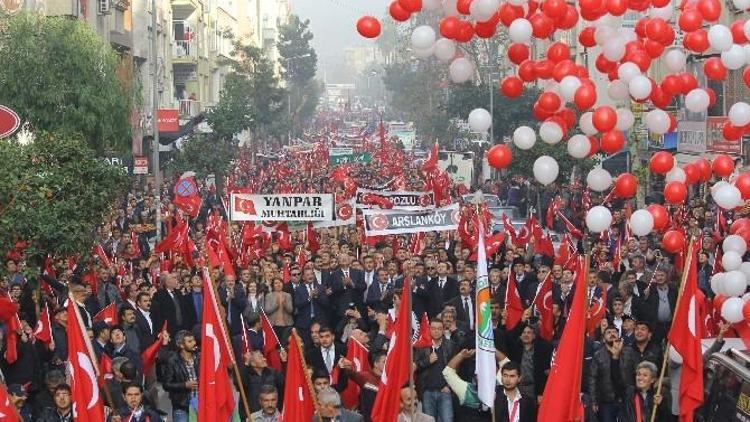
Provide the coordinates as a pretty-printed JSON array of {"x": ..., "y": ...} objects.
[
  {"x": 439, "y": 405},
  {"x": 179, "y": 416},
  {"x": 608, "y": 412}
]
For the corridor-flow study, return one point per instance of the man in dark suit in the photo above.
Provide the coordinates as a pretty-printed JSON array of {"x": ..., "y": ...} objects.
[
  {"x": 144, "y": 320},
  {"x": 310, "y": 301},
  {"x": 441, "y": 289},
  {"x": 167, "y": 305},
  {"x": 526, "y": 348},
  {"x": 295, "y": 274},
  {"x": 527, "y": 282},
  {"x": 464, "y": 304},
  {"x": 234, "y": 301},
  {"x": 508, "y": 398},
  {"x": 326, "y": 357},
  {"x": 377, "y": 290},
  {"x": 348, "y": 286}
]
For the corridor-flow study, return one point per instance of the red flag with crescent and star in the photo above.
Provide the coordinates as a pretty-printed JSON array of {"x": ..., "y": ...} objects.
[
  {"x": 543, "y": 303},
  {"x": 87, "y": 403}
]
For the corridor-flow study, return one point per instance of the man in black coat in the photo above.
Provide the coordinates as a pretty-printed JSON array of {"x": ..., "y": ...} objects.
[
  {"x": 656, "y": 305},
  {"x": 441, "y": 289},
  {"x": 144, "y": 320},
  {"x": 348, "y": 286},
  {"x": 167, "y": 305},
  {"x": 326, "y": 357},
  {"x": 255, "y": 374},
  {"x": 464, "y": 304},
  {"x": 310, "y": 303},
  {"x": 508, "y": 398},
  {"x": 533, "y": 354},
  {"x": 181, "y": 369},
  {"x": 233, "y": 298}
]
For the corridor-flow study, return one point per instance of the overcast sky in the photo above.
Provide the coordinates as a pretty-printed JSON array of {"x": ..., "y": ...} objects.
[{"x": 333, "y": 24}]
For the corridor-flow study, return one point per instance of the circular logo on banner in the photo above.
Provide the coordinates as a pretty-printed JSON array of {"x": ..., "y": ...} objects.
[
  {"x": 424, "y": 201},
  {"x": 455, "y": 217},
  {"x": 344, "y": 212},
  {"x": 379, "y": 222}
]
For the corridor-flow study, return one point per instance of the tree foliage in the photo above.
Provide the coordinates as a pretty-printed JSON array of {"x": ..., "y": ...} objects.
[
  {"x": 251, "y": 99},
  {"x": 53, "y": 193},
  {"x": 60, "y": 76},
  {"x": 299, "y": 62},
  {"x": 204, "y": 155}
]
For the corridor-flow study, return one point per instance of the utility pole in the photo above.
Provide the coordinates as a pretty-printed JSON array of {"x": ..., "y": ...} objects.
[{"x": 154, "y": 116}]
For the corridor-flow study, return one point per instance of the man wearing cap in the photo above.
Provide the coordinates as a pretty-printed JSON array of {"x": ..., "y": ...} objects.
[{"x": 17, "y": 396}]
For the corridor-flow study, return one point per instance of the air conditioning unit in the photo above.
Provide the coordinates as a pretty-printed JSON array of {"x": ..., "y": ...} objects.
[{"x": 104, "y": 7}]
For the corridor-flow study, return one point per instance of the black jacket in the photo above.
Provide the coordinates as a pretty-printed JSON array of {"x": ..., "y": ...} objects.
[
  {"x": 344, "y": 295},
  {"x": 439, "y": 296},
  {"x": 602, "y": 376},
  {"x": 430, "y": 375},
  {"x": 628, "y": 409},
  {"x": 175, "y": 377},
  {"x": 542, "y": 356},
  {"x": 233, "y": 308},
  {"x": 253, "y": 383},
  {"x": 526, "y": 407},
  {"x": 163, "y": 309},
  {"x": 648, "y": 308},
  {"x": 50, "y": 415},
  {"x": 314, "y": 359}
]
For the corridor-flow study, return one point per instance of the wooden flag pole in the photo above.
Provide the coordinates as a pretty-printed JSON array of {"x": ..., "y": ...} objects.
[
  {"x": 295, "y": 337},
  {"x": 662, "y": 372}
]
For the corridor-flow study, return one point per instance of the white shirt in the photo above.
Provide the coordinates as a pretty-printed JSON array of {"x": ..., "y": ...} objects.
[
  {"x": 466, "y": 301},
  {"x": 514, "y": 403},
  {"x": 328, "y": 353},
  {"x": 147, "y": 316}
]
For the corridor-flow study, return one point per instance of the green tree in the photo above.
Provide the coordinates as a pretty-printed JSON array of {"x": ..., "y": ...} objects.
[
  {"x": 298, "y": 62},
  {"x": 60, "y": 76},
  {"x": 204, "y": 155},
  {"x": 53, "y": 193}
]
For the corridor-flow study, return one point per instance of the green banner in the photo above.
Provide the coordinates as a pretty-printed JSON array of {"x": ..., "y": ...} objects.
[{"x": 361, "y": 157}]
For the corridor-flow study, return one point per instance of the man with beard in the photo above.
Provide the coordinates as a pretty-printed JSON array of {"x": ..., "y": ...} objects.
[{"x": 606, "y": 402}]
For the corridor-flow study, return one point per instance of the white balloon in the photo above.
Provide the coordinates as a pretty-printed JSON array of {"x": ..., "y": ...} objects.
[
  {"x": 461, "y": 70},
  {"x": 524, "y": 137},
  {"x": 598, "y": 219},
  {"x": 604, "y": 33},
  {"x": 641, "y": 222},
  {"x": 568, "y": 87},
  {"x": 617, "y": 90},
  {"x": 625, "y": 119},
  {"x": 717, "y": 284},
  {"x": 627, "y": 71},
  {"x": 718, "y": 185},
  {"x": 731, "y": 310},
  {"x": 520, "y": 31},
  {"x": 665, "y": 12},
  {"x": 445, "y": 49},
  {"x": 745, "y": 269},
  {"x": 550, "y": 132},
  {"x": 599, "y": 179},
  {"x": 480, "y": 120},
  {"x": 720, "y": 38},
  {"x": 746, "y": 49},
  {"x": 587, "y": 123},
  {"x": 741, "y": 4},
  {"x": 677, "y": 174},
  {"x": 658, "y": 121},
  {"x": 731, "y": 261},
  {"x": 639, "y": 87},
  {"x": 431, "y": 5},
  {"x": 734, "y": 58},
  {"x": 423, "y": 37},
  {"x": 614, "y": 49},
  {"x": 746, "y": 29},
  {"x": 546, "y": 170},
  {"x": 735, "y": 243},
  {"x": 482, "y": 10},
  {"x": 727, "y": 197},
  {"x": 450, "y": 8},
  {"x": 424, "y": 53},
  {"x": 739, "y": 114},
  {"x": 579, "y": 146},
  {"x": 697, "y": 100},
  {"x": 674, "y": 59}
]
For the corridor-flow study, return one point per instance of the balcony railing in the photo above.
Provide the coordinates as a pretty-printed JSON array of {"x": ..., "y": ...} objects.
[
  {"x": 189, "y": 108},
  {"x": 185, "y": 49}
]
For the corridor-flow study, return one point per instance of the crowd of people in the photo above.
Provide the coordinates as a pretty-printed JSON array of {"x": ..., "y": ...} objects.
[{"x": 336, "y": 286}]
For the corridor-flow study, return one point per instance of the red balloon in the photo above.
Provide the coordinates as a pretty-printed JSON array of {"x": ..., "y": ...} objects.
[
  {"x": 738, "y": 33},
  {"x": 746, "y": 76},
  {"x": 696, "y": 41},
  {"x": 527, "y": 71},
  {"x": 660, "y": 3},
  {"x": 368, "y": 26},
  {"x": 591, "y": 5},
  {"x": 612, "y": 141},
  {"x": 568, "y": 116},
  {"x": 742, "y": 182},
  {"x": 549, "y": 101},
  {"x": 672, "y": 123},
  {"x": 660, "y": 214},
  {"x": 710, "y": 9},
  {"x": 723, "y": 165},
  {"x": 640, "y": 58},
  {"x": 640, "y": 27},
  {"x": 604, "y": 118},
  {"x": 705, "y": 169},
  {"x": 485, "y": 29},
  {"x": 508, "y": 13},
  {"x": 586, "y": 37},
  {"x": 594, "y": 146},
  {"x": 539, "y": 113},
  {"x": 542, "y": 25},
  {"x": 653, "y": 48},
  {"x": 714, "y": 69},
  {"x": 463, "y": 6},
  {"x": 603, "y": 65},
  {"x": 518, "y": 52},
  {"x": 411, "y": 6},
  {"x": 739, "y": 225},
  {"x": 511, "y": 86},
  {"x": 499, "y": 156},
  {"x": 692, "y": 173},
  {"x": 731, "y": 132},
  {"x": 690, "y": 20},
  {"x": 617, "y": 7},
  {"x": 689, "y": 82},
  {"x": 746, "y": 311},
  {"x": 671, "y": 85},
  {"x": 711, "y": 96},
  {"x": 554, "y": 8},
  {"x": 659, "y": 98},
  {"x": 626, "y": 186},
  {"x": 661, "y": 162},
  {"x": 563, "y": 69},
  {"x": 465, "y": 31},
  {"x": 399, "y": 14},
  {"x": 558, "y": 51},
  {"x": 656, "y": 28},
  {"x": 675, "y": 192},
  {"x": 718, "y": 301},
  {"x": 673, "y": 241},
  {"x": 585, "y": 97},
  {"x": 448, "y": 26},
  {"x": 544, "y": 69},
  {"x": 569, "y": 19}
]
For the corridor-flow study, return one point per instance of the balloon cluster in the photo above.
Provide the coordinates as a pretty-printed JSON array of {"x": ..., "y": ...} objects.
[{"x": 731, "y": 284}]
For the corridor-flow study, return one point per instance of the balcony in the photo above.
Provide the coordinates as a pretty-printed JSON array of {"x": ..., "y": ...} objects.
[
  {"x": 182, "y": 9},
  {"x": 189, "y": 108},
  {"x": 185, "y": 52}
]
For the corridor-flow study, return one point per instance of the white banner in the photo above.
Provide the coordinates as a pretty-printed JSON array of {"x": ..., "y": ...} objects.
[
  {"x": 346, "y": 215},
  {"x": 282, "y": 207},
  {"x": 401, "y": 200},
  {"x": 387, "y": 222}
]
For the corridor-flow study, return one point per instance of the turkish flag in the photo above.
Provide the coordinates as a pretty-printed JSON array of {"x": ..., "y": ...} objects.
[
  {"x": 186, "y": 196},
  {"x": 597, "y": 312},
  {"x": 513, "y": 305},
  {"x": 83, "y": 370},
  {"x": 108, "y": 315},
  {"x": 215, "y": 399},
  {"x": 543, "y": 303},
  {"x": 432, "y": 159},
  {"x": 43, "y": 329},
  {"x": 424, "y": 340},
  {"x": 270, "y": 343},
  {"x": 357, "y": 353},
  {"x": 7, "y": 411},
  {"x": 298, "y": 399},
  {"x": 149, "y": 355},
  {"x": 11, "y": 350},
  {"x": 175, "y": 240},
  {"x": 105, "y": 369},
  {"x": 99, "y": 251},
  {"x": 397, "y": 364},
  {"x": 684, "y": 336},
  {"x": 312, "y": 239},
  {"x": 564, "y": 382}
]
